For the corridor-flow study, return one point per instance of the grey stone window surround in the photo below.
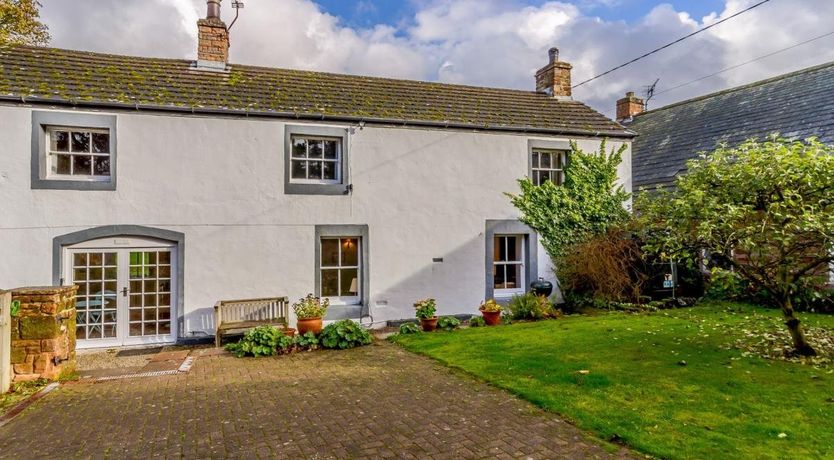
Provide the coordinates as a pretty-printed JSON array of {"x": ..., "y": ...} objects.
[
  {"x": 62, "y": 241},
  {"x": 291, "y": 188},
  {"x": 337, "y": 312},
  {"x": 544, "y": 144},
  {"x": 43, "y": 119},
  {"x": 510, "y": 227}
]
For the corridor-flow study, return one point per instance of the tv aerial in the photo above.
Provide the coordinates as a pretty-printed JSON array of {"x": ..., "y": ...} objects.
[
  {"x": 237, "y": 5},
  {"x": 649, "y": 94}
]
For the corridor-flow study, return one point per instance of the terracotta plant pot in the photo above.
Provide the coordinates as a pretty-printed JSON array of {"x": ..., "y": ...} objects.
[
  {"x": 289, "y": 332},
  {"x": 429, "y": 324},
  {"x": 491, "y": 318},
  {"x": 306, "y": 325}
]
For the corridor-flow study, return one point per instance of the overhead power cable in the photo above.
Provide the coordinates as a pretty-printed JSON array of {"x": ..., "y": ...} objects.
[
  {"x": 671, "y": 43},
  {"x": 745, "y": 63}
]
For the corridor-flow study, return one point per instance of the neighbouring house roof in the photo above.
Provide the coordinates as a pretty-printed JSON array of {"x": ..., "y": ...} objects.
[
  {"x": 77, "y": 78},
  {"x": 796, "y": 105}
]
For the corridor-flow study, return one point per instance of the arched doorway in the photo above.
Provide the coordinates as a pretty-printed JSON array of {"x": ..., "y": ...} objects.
[{"x": 129, "y": 282}]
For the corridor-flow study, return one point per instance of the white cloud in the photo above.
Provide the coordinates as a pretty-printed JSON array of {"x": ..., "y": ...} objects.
[{"x": 481, "y": 42}]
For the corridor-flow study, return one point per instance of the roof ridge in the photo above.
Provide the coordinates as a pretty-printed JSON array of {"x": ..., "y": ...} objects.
[{"x": 739, "y": 88}]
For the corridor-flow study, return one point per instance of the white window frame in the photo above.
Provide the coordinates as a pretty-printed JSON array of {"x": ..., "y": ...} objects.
[
  {"x": 554, "y": 154},
  {"x": 342, "y": 300},
  {"x": 52, "y": 156},
  {"x": 521, "y": 262},
  {"x": 337, "y": 161}
]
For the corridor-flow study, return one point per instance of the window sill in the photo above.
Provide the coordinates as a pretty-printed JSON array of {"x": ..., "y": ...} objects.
[
  {"x": 55, "y": 183},
  {"x": 339, "y": 312},
  {"x": 295, "y": 188}
]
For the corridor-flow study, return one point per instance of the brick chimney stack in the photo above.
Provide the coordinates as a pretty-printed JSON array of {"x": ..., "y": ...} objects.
[
  {"x": 629, "y": 106},
  {"x": 213, "y": 39},
  {"x": 554, "y": 78}
]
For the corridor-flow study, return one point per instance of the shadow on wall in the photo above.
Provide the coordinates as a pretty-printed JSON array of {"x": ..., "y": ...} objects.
[{"x": 455, "y": 278}]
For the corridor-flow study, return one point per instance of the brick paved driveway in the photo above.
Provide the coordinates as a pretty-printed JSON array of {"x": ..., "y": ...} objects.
[{"x": 374, "y": 402}]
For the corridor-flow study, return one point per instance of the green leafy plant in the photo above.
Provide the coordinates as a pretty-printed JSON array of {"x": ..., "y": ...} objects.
[
  {"x": 20, "y": 23},
  {"x": 344, "y": 334},
  {"x": 490, "y": 305},
  {"x": 261, "y": 341},
  {"x": 14, "y": 311},
  {"x": 448, "y": 323},
  {"x": 410, "y": 328},
  {"x": 765, "y": 209},
  {"x": 308, "y": 341},
  {"x": 426, "y": 308},
  {"x": 477, "y": 321},
  {"x": 529, "y": 306},
  {"x": 588, "y": 203},
  {"x": 310, "y": 307}
]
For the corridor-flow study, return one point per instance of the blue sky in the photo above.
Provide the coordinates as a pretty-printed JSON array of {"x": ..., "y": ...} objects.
[{"x": 365, "y": 13}]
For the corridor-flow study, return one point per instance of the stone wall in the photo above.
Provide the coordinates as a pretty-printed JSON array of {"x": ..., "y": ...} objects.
[{"x": 43, "y": 333}]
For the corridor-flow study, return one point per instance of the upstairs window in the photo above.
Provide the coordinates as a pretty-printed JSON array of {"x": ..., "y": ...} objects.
[
  {"x": 78, "y": 153},
  {"x": 316, "y": 160},
  {"x": 548, "y": 165},
  {"x": 73, "y": 151}
]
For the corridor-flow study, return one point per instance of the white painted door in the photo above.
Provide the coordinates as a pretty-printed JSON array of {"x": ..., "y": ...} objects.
[{"x": 126, "y": 296}]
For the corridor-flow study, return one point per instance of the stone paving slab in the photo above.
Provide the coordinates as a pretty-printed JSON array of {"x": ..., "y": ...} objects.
[{"x": 377, "y": 401}]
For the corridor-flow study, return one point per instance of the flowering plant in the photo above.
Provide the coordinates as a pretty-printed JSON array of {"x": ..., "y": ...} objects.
[
  {"x": 310, "y": 307},
  {"x": 426, "y": 308},
  {"x": 490, "y": 306}
]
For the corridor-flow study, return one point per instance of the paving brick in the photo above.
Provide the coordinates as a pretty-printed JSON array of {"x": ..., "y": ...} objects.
[{"x": 373, "y": 402}]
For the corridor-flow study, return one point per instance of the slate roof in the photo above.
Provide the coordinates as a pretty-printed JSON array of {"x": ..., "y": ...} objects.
[
  {"x": 79, "y": 78},
  {"x": 796, "y": 105}
]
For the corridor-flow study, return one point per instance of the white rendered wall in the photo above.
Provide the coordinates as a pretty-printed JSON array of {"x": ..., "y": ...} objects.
[{"x": 423, "y": 193}]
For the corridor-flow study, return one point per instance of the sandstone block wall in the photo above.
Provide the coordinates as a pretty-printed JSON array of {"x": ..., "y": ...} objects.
[{"x": 43, "y": 333}]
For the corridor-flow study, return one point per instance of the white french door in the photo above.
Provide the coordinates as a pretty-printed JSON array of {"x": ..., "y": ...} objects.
[{"x": 126, "y": 296}]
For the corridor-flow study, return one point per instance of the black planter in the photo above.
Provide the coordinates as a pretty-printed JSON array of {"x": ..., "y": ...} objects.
[{"x": 542, "y": 287}]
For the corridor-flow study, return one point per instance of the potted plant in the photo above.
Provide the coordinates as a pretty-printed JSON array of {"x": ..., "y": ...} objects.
[
  {"x": 426, "y": 309},
  {"x": 309, "y": 312},
  {"x": 491, "y": 311}
]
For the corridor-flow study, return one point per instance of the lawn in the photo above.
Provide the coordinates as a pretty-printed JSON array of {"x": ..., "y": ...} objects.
[{"x": 671, "y": 384}]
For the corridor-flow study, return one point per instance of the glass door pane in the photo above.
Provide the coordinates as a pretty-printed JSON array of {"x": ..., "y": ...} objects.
[
  {"x": 149, "y": 304},
  {"x": 95, "y": 274}
]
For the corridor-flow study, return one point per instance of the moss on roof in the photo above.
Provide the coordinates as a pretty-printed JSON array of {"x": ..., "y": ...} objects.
[{"x": 77, "y": 77}]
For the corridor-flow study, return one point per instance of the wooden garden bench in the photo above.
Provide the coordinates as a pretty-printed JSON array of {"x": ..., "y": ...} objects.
[{"x": 235, "y": 317}]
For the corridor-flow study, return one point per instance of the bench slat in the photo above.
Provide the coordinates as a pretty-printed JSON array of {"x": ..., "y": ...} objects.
[{"x": 248, "y": 313}]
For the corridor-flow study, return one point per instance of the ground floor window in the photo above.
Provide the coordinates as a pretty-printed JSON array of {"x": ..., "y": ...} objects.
[
  {"x": 341, "y": 269},
  {"x": 508, "y": 264}
]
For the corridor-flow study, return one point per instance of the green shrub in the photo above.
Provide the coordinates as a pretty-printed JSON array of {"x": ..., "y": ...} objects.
[
  {"x": 261, "y": 341},
  {"x": 529, "y": 306},
  {"x": 410, "y": 328},
  {"x": 726, "y": 285},
  {"x": 308, "y": 341},
  {"x": 344, "y": 334},
  {"x": 477, "y": 321},
  {"x": 448, "y": 323}
]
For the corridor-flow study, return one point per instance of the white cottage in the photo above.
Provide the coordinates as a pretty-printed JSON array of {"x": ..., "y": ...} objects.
[{"x": 161, "y": 186}]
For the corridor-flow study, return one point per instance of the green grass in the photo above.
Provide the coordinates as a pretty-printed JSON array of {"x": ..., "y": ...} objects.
[{"x": 723, "y": 403}]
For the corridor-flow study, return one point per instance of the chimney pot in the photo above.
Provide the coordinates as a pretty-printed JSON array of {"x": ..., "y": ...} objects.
[
  {"x": 629, "y": 106},
  {"x": 554, "y": 54},
  {"x": 554, "y": 78},
  {"x": 213, "y": 9}
]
